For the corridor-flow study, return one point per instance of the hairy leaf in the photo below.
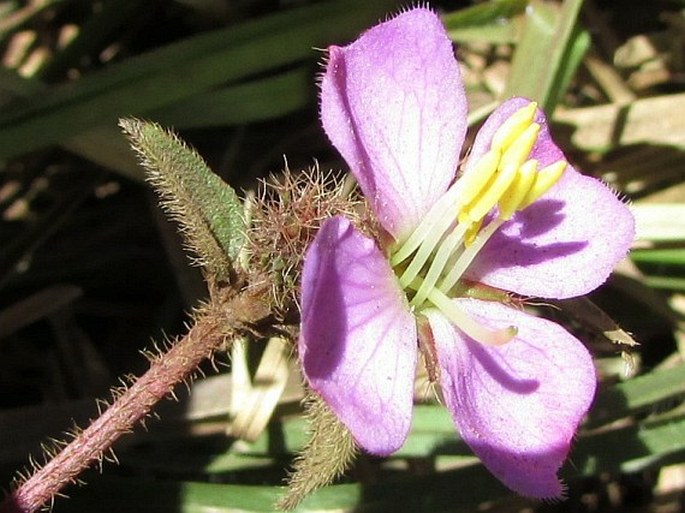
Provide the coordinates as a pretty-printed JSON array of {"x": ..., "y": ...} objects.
[{"x": 206, "y": 207}]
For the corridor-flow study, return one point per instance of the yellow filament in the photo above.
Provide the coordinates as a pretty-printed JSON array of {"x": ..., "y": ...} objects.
[
  {"x": 517, "y": 153},
  {"x": 544, "y": 180},
  {"x": 509, "y": 131},
  {"x": 511, "y": 200}
]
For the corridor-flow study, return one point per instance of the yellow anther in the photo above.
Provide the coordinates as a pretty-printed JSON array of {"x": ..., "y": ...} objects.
[
  {"x": 517, "y": 191},
  {"x": 544, "y": 180},
  {"x": 481, "y": 205},
  {"x": 510, "y": 130},
  {"x": 472, "y": 232},
  {"x": 517, "y": 153},
  {"x": 473, "y": 182}
]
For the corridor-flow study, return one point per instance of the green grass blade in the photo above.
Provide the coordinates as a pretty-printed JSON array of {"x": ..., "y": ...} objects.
[
  {"x": 104, "y": 23},
  {"x": 672, "y": 256},
  {"x": 106, "y": 147},
  {"x": 102, "y": 145},
  {"x": 489, "y": 21},
  {"x": 662, "y": 222},
  {"x": 245, "y": 103},
  {"x": 548, "y": 53},
  {"x": 638, "y": 394},
  {"x": 179, "y": 72},
  {"x": 629, "y": 449}
]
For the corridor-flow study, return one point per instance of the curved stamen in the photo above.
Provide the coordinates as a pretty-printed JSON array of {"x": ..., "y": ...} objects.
[
  {"x": 475, "y": 180},
  {"x": 516, "y": 154},
  {"x": 432, "y": 222},
  {"x": 464, "y": 190},
  {"x": 461, "y": 320},
  {"x": 489, "y": 198},
  {"x": 439, "y": 262},
  {"x": 426, "y": 248},
  {"x": 456, "y": 228},
  {"x": 469, "y": 254}
]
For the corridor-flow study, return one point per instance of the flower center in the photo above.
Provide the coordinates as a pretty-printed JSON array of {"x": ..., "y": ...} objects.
[{"x": 430, "y": 263}]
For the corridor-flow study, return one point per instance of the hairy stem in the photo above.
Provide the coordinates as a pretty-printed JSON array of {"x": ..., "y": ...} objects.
[{"x": 167, "y": 370}]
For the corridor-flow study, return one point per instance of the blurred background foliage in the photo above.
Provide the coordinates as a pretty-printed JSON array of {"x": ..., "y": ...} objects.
[{"x": 91, "y": 272}]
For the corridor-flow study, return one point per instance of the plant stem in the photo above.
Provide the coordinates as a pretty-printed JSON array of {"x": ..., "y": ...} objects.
[{"x": 167, "y": 370}]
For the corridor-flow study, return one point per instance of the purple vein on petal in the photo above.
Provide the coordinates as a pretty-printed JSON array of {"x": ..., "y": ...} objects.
[
  {"x": 393, "y": 104},
  {"x": 358, "y": 336}
]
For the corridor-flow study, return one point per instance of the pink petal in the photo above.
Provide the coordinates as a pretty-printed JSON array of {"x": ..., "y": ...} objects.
[
  {"x": 565, "y": 244},
  {"x": 358, "y": 337},
  {"x": 393, "y": 104},
  {"x": 517, "y": 405}
]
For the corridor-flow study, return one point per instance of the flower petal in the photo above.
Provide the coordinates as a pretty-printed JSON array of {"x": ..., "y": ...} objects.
[
  {"x": 566, "y": 243},
  {"x": 358, "y": 337},
  {"x": 393, "y": 104},
  {"x": 517, "y": 405}
]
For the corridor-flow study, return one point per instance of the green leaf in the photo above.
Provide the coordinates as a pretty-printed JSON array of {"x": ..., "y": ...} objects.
[
  {"x": 489, "y": 21},
  {"x": 207, "y": 208},
  {"x": 180, "y": 71},
  {"x": 663, "y": 222},
  {"x": 253, "y": 101},
  {"x": 548, "y": 54},
  {"x": 629, "y": 449},
  {"x": 100, "y": 27},
  {"x": 638, "y": 394},
  {"x": 671, "y": 256}
]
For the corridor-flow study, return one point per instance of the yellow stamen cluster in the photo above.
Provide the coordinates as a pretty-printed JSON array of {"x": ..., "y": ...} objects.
[
  {"x": 454, "y": 231},
  {"x": 506, "y": 177}
]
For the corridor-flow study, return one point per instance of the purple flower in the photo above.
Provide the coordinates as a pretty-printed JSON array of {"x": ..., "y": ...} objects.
[{"x": 517, "y": 217}]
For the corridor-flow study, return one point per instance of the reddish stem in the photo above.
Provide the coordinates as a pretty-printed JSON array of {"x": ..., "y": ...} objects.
[{"x": 89, "y": 446}]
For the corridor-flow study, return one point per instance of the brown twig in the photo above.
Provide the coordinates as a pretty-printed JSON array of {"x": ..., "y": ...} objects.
[{"x": 217, "y": 322}]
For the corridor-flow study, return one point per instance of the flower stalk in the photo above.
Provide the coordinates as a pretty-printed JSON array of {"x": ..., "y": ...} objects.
[{"x": 216, "y": 326}]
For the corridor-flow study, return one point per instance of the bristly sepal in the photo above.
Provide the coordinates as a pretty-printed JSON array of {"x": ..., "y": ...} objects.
[
  {"x": 329, "y": 452},
  {"x": 286, "y": 216}
]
